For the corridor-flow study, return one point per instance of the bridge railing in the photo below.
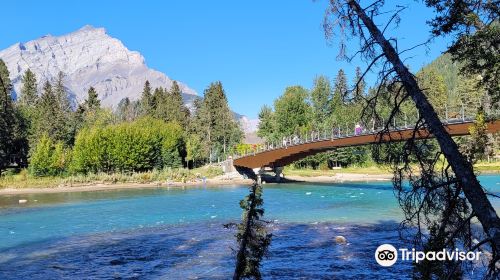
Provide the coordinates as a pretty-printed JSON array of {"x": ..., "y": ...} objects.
[
  {"x": 332, "y": 134},
  {"x": 339, "y": 132}
]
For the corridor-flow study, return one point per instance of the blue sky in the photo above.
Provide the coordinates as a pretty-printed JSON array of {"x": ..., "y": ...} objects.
[{"x": 256, "y": 48}]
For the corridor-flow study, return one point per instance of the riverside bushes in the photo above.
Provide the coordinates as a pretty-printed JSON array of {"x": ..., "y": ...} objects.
[
  {"x": 49, "y": 158},
  {"x": 137, "y": 137},
  {"x": 141, "y": 145}
]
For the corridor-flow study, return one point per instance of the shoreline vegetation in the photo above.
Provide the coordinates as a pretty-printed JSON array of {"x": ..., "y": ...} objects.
[{"x": 23, "y": 183}]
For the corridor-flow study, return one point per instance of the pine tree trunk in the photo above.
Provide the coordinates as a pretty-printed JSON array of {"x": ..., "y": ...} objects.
[{"x": 473, "y": 191}]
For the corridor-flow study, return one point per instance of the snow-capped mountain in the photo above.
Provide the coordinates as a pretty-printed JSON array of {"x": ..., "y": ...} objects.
[{"x": 88, "y": 57}]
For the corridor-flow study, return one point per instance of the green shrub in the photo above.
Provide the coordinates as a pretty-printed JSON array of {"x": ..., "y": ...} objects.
[
  {"x": 129, "y": 147},
  {"x": 40, "y": 160},
  {"x": 48, "y": 158},
  {"x": 60, "y": 159}
]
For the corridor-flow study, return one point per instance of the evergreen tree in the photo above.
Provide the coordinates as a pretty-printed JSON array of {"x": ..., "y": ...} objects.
[
  {"x": 20, "y": 144},
  {"x": 78, "y": 119},
  {"x": 475, "y": 29},
  {"x": 125, "y": 110},
  {"x": 62, "y": 95},
  {"x": 177, "y": 104},
  {"x": 198, "y": 127},
  {"x": 337, "y": 104},
  {"x": 359, "y": 90},
  {"x": 214, "y": 122},
  {"x": 63, "y": 110},
  {"x": 92, "y": 103},
  {"x": 470, "y": 95},
  {"x": 432, "y": 83},
  {"x": 158, "y": 105},
  {"x": 48, "y": 116},
  {"x": 147, "y": 100},
  {"x": 7, "y": 118},
  {"x": 88, "y": 111},
  {"x": 169, "y": 105},
  {"x": 321, "y": 96},
  {"x": 252, "y": 236},
  {"x": 355, "y": 108},
  {"x": 28, "y": 112},
  {"x": 135, "y": 109},
  {"x": 477, "y": 144},
  {"x": 29, "y": 94},
  {"x": 449, "y": 70},
  {"x": 341, "y": 84}
]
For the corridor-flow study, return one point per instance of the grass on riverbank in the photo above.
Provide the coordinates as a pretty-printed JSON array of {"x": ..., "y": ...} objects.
[
  {"x": 307, "y": 172},
  {"x": 488, "y": 167},
  {"x": 373, "y": 169},
  {"x": 25, "y": 180}
]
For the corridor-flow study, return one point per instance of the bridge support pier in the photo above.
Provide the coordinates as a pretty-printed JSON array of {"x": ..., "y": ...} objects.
[
  {"x": 278, "y": 171},
  {"x": 258, "y": 172}
]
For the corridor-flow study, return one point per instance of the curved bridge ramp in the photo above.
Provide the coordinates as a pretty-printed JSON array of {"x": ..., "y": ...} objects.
[{"x": 287, "y": 154}]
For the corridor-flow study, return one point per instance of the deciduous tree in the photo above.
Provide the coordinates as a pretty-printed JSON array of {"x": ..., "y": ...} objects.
[
  {"x": 267, "y": 124},
  {"x": 292, "y": 112}
]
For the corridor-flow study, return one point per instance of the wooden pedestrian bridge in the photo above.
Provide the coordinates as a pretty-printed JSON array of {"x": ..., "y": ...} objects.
[{"x": 276, "y": 156}]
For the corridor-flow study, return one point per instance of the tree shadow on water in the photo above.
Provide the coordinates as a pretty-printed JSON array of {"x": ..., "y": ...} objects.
[
  {"x": 203, "y": 251},
  {"x": 311, "y": 252},
  {"x": 167, "y": 252}
]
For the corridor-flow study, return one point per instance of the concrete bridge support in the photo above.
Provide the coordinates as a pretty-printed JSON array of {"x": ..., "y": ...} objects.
[
  {"x": 262, "y": 173},
  {"x": 278, "y": 171},
  {"x": 249, "y": 172},
  {"x": 227, "y": 166},
  {"x": 259, "y": 172}
]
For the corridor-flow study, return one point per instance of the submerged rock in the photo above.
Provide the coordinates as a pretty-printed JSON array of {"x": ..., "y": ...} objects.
[
  {"x": 339, "y": 239},
  {"x": 117, "y": 262}
]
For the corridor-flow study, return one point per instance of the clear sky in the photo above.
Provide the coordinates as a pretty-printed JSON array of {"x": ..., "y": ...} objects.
[{"x": 256, "y": 48}]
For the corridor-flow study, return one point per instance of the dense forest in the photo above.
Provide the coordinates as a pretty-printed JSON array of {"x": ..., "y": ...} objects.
[
  {"x": 50, "y": 136},
  {"x": 45, "y": 133},
  {"x": 341, "y": 105}
]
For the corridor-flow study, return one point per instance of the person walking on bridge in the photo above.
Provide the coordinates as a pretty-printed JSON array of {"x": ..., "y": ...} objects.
[{"x": 358, "y": 129}]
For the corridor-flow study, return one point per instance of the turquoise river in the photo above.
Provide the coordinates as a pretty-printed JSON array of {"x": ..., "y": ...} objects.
[{"x": 178, "y": 233}]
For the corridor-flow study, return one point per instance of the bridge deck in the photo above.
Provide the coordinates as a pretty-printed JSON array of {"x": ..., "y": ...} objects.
[{"x": 285, "y": 155}]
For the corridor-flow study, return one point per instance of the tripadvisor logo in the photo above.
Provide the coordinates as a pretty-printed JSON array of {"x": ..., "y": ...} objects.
[{"x": 387, "y": 255}]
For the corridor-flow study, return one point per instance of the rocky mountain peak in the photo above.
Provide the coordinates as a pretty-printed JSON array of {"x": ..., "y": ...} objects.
[{"x": 88, "y": 57}]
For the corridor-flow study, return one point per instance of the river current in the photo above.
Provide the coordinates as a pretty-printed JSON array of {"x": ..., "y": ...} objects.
[{"x": 178, "y": 233}]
